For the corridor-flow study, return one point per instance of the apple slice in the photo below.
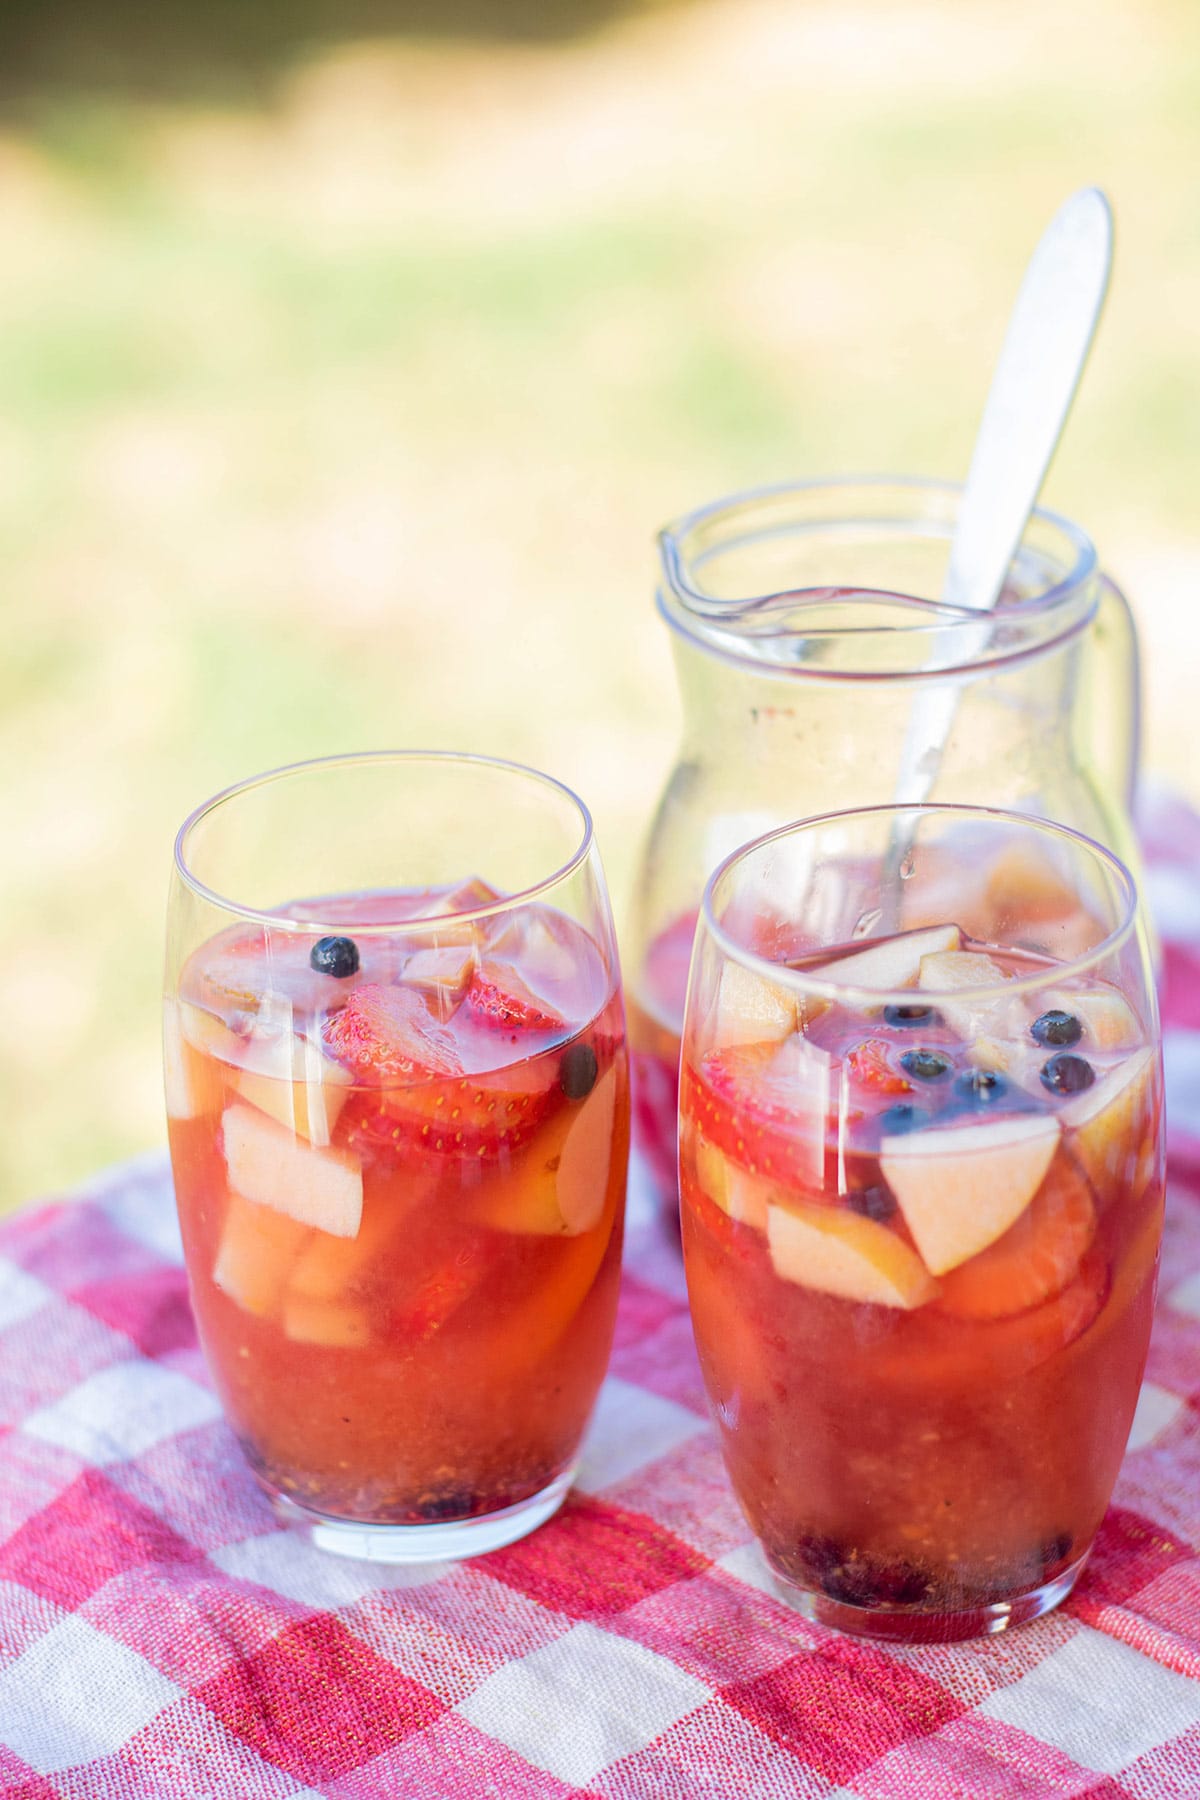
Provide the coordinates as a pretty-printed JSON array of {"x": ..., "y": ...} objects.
[
  {"x": 750, "y": 1010},
  {"x": 960, "y": 1188},
  {"x": 292, "y": 1080},
  {"x": 840, "y": 1252},
  {"x": 1108, "y": 1020},
  {"x": 960, "y": 972},
  {"x": 1037, "y": 1256},
  {"x": 1111, "y": 1125},
  {"x": 895, "y": 962},
  {"x": 257, "y": 1248},
  {"x": 333, "y": 1326},
  {"x": 442, "y": 976},
  {"x": 192, "y": 1083},
  {"x": 744, "y": 1197},
  {"x": 267, "y": 1163},
  {"x": 561, "y": 1188}
]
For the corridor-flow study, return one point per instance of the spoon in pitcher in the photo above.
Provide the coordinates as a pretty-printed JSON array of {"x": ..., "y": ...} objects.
[{"x": 1041, "y": 360}]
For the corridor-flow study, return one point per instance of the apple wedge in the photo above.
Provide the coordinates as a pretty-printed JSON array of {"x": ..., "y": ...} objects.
[
  {"x": 749, "y": 1010},
  {"x": 442, "y": 976},
  {"x": 257, "y": 1248},
  {"x": 1108, "y": 1020},
  {"x": 950, "y": 973},
  {"x": 839, "y": 1252},
  {"x": 269, "y": 1164},
  {"x": 560, "y": 1188},
  {"x": 1110, "y": 1124},
  {"x": 742, "y": 1196},
  {"x": 960, "y": 1188},
  {"x": 192, "y": 1082},
  {"x": 894, "y": 962},
  {"x": 292, "y": 1080},
  {"x": 333, "y": 1326},
  {"x": 1036, "y": 1258}
]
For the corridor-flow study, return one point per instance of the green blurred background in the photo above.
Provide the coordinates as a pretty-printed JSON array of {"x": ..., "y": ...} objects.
[{"x": 351, "y": 354}]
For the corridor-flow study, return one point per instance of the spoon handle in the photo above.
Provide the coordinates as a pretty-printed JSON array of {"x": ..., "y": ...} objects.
[
  {"x": 1042, "y": 357},
  {"x": 1041, "y": 360}
]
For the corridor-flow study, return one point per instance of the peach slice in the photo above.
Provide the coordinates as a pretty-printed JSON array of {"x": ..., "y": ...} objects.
[
  {"x": 744, "y": 1197},
  {"x": 257, "y": 1248},
  {"x": 561, "y": 1188},
  {"x": 1037, "y": 1256},
  {"x": 961, "y": 1187},
  {"x": 893, "y": 963},
  {"x": 750, "y": 1010},
  {"x": 1112, "y": 1124},
  {"x": 840, "y": 1252},
  {"x": 269, "y": 1164}
]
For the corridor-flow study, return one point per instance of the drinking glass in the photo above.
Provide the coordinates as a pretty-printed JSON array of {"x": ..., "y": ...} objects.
[
  {"x": 921, "y": 1169},
  {"x": 398, "y": 1105}
]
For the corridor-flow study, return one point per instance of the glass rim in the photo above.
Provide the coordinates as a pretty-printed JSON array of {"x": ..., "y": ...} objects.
[
  {"x": 696, "y": 615},
  {"x": 823, "y": 989},
  {"x": 363, "y": 758}
]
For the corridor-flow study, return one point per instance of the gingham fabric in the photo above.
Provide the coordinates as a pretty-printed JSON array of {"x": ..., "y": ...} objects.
[{"x": 161, "y": 1636}]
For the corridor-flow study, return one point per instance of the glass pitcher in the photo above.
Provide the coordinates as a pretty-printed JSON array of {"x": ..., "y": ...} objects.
[{"x": 819, "y": 671}]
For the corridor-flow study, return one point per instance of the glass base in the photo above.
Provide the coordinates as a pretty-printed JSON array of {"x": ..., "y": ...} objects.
[
  {"x": 442, "y": 1541},
  {"x": 919, "y": 1625}
]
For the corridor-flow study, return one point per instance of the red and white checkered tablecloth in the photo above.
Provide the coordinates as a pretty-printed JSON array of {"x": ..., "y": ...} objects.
[{"x": 161, "y": 1636}]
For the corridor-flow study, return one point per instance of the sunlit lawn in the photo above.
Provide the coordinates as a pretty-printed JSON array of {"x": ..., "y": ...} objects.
[{"x": 348, "y": 420}]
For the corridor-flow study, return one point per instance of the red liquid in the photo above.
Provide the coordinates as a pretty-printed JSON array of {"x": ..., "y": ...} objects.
[
  {"x": 408, "y": 1306},
  {"x": 946, "y": 1447}
]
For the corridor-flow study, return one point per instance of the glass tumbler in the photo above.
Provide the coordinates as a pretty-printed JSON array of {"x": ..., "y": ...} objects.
[
  {"x": 921, "y": 1169},
  {"x": 398, "y": 1105}
]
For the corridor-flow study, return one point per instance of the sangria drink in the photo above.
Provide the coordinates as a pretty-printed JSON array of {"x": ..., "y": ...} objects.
[
  {"x": 922, "y": 1190},
  {"x": 399, "y": 1124}
]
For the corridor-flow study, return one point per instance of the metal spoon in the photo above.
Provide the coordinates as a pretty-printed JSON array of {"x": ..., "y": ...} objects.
[{"x": 1041, "y": 360}]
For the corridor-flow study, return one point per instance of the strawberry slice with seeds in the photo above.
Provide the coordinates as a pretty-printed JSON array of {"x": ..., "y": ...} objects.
[
  {"x": 472, "y": 1116},
  {"x": 387, "y": 1034},
  {"x": 498, "y": 993},
  {"x": 871, "y": 1068},
  {"x": 767, "y": 1107}
]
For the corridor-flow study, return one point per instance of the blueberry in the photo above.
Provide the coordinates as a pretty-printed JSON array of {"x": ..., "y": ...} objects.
[
  {"x": 981, "y": 1087},
  {"x": 336, "y": 956},
  {"x": 926, "y": 1065},
  {"x": 902, "y": 1117},
  {"x": 1056, "y": 1028},
  {"x": 873, "y": 1202},
  {"x": 1067, "y": 1074},
  {"x": 911, "y": 1015},
  {"x": 578, "y": 1070}
]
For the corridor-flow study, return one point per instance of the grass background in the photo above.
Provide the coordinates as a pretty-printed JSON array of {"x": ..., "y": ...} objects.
[{"x": 351, "y": 355}]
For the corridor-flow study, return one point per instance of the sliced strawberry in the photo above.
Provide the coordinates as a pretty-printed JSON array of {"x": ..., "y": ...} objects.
[
  {"x": 433, "y": 1301},
  {"x": 768, "y": 1107},
  {"x": 386, "y": 1034},
  {"x": 473, "y": 1117},
  {"x": 499, "y": 994},
  {"x": 871, "y": 1069}
]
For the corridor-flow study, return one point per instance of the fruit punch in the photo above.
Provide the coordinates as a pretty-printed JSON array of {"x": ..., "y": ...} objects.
[
  {"x": 921, "y": 1241},
  {"x": 399, "y": 1157}
]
